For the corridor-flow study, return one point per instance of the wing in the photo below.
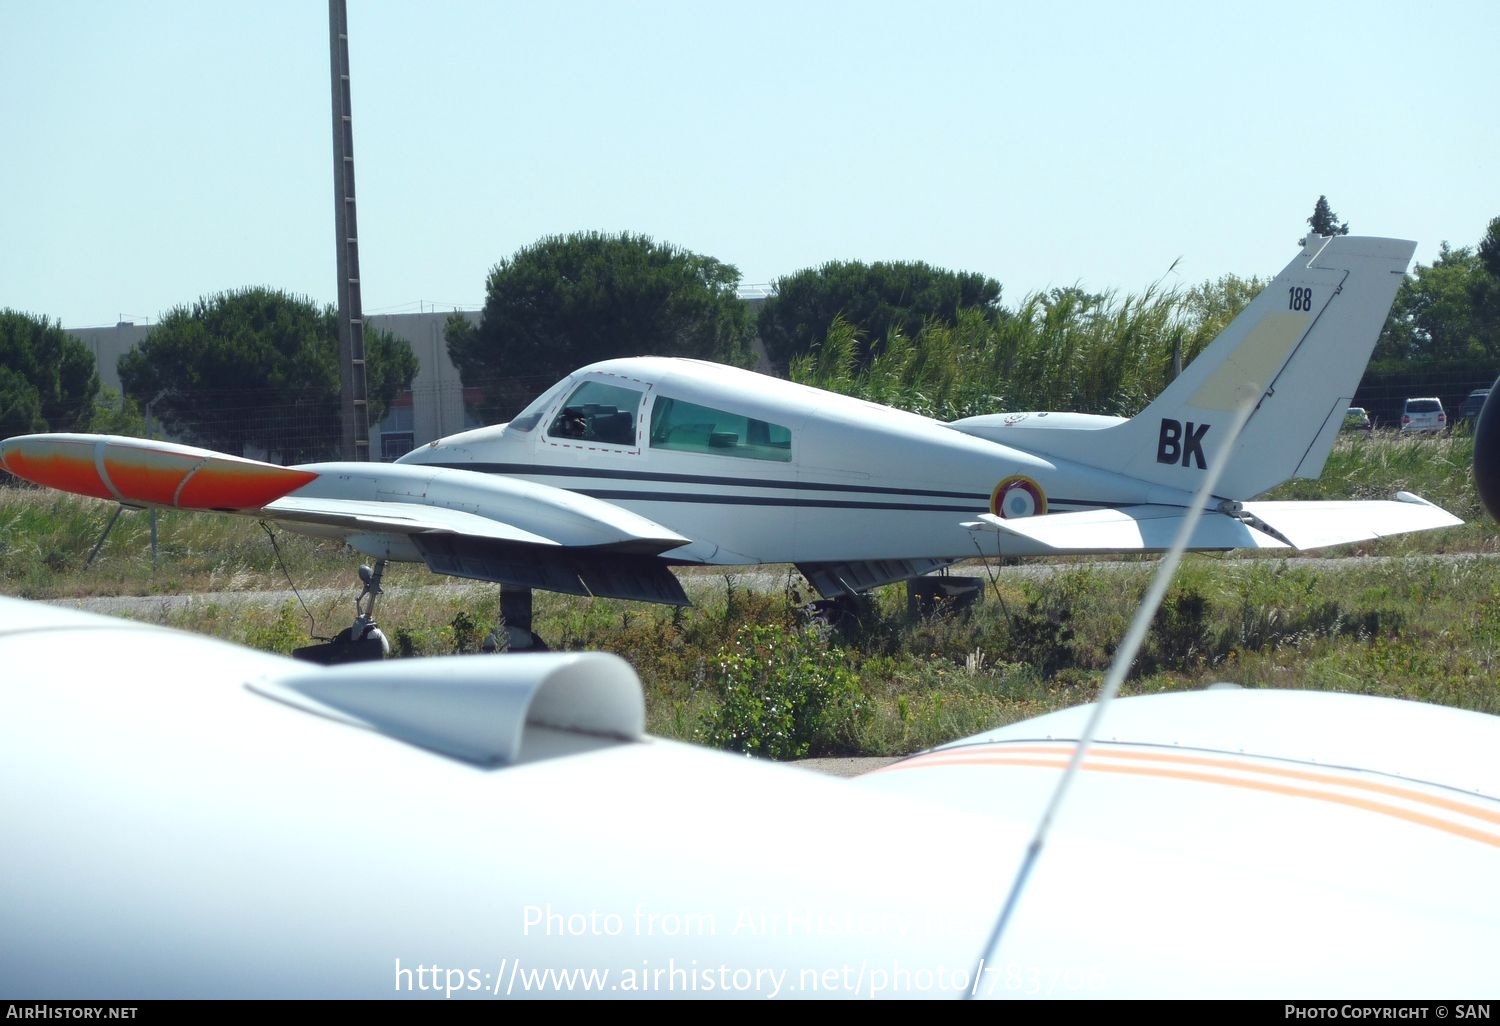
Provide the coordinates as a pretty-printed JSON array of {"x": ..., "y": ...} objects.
[
  {"x": 1240, "y": 816},
  {"x": 488, "y": 527},
  {"x": 1249, "y": 525},
  {"x": 481, "y": 526}
]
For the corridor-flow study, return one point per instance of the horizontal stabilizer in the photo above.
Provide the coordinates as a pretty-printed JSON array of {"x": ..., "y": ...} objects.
[
  {"x": 1148, "y": 528},
  {"x": 1253, "y": 525},
  {"x": 1311, "y": 525}
]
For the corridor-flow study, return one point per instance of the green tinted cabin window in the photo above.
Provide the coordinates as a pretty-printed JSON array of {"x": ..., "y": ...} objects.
[
  {"x": 687, "y": 427},
  {"x": 598, "y": 412}
]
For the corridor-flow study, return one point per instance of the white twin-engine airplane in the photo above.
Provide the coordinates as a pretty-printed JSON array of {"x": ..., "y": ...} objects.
[{"x": 630, "y": 466}]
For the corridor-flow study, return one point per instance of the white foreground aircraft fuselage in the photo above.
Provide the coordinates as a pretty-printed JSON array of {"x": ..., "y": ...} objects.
[{"x": 189, "y": 819}]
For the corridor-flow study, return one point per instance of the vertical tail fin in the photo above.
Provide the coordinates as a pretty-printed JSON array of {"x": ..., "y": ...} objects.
[{"x": 1302, "y": 345}]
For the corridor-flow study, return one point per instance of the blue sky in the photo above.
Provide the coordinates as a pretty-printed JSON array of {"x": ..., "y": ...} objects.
[{"x": 162, "y": 150}]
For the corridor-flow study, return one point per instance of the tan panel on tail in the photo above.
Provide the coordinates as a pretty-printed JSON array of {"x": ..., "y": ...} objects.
[{"x": 1256, "y": 360}]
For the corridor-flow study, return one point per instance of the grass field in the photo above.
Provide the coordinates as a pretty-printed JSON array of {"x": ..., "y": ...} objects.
[{"x": 747, "y": 668}]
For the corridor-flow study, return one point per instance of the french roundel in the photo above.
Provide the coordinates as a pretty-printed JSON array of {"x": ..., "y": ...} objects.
[{"x": 1017, "y": 497}]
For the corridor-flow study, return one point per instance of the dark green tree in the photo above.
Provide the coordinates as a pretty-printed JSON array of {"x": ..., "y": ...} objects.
[
  {"x": 567, "y": 301},
  {"x": 1484, "y": 291},
  {"x": 1443, "y": 311},
  {"x": 48, "y": 379},
  {"x": 259, "y": 368},
  {"x": 1489, "y": 248},
  {"x": 876, "y": 299},
  {"x": 1324, "y": 221},
  {"x": 1443, "y": 334}
]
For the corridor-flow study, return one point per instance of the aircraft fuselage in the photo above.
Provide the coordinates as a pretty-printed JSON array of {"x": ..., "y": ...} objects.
[{"x": 755, "y": 469}]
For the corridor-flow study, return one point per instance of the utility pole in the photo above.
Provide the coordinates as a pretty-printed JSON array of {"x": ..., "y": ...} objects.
[{"x": 355, "y": 407}]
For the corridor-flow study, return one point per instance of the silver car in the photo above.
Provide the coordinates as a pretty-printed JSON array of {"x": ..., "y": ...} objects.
[{"x": 1424, "y": 416}]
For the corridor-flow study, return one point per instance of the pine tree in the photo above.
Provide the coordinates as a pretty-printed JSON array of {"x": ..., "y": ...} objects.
[{"x": 1325, "y": 222}]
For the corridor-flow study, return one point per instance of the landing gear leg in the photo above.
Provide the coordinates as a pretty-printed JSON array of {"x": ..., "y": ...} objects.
[
  {"x": 843, "y": 613},
  {"x": 365, "y": 628},
  {"x": 362, "y": 641},
  {"x": 515, "y": 623}
]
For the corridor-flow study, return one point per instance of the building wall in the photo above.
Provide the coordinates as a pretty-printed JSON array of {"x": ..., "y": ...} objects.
[
  {"x": 108, "y": 345},
  {"x": 437, "y": 394}
]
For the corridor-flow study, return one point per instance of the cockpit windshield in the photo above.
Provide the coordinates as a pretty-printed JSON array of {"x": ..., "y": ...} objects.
[{"x": 529, "y": 417}]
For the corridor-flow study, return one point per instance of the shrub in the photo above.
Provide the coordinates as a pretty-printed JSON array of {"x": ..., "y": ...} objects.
[{"x": 784, "y": 693}]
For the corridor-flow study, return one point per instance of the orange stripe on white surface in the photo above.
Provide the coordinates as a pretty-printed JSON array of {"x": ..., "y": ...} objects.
[{"x": 1248, "y": 773}]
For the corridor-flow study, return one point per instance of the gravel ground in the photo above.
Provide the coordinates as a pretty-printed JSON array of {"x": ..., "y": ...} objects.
[
  {"x": 844, "y": 766},
  {"x": 696, "y": 582}
]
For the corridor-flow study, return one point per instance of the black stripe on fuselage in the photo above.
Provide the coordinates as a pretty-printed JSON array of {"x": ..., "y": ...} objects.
[
  {"x": 530, "y": 470},
  {"x": 971, "y": 499},
  {"x": 611, "y": 495}
]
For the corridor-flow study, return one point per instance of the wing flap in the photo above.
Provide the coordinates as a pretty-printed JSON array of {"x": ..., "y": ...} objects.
[
  {"x": 604, "y": 571},
  {"x": 835, "y": 579}
]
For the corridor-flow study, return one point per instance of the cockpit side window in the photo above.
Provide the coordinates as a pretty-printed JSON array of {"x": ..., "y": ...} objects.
[
  {"x": 598, "y": 412},
  {"x": 688, "y": 427}
]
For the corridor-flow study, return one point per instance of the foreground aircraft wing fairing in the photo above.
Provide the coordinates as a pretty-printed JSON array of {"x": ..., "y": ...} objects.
[{"x": 632, "y": 466}]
